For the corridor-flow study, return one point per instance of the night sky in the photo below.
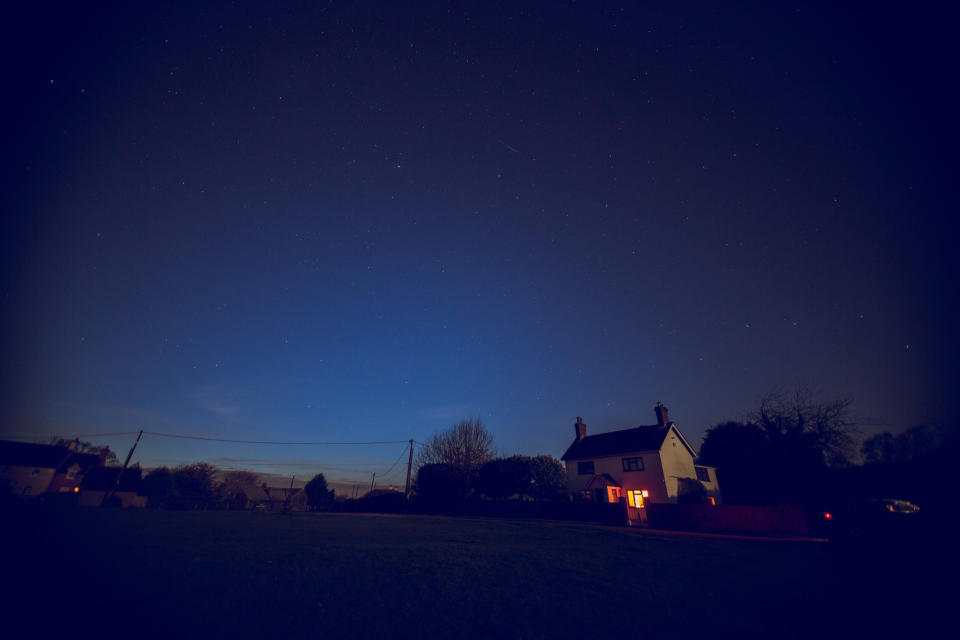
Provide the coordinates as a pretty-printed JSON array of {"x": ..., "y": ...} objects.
[{"x": 338, "y": 222}]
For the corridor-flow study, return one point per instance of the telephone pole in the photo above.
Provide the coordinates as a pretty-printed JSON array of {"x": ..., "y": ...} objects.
[
  {"x": 126, "y": 462},
  {"x": 373, "y": 481},
  {"x": 406, "y": 486}
]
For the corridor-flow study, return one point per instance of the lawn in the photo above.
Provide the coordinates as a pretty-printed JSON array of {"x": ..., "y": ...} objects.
[{"x": 244, "y": 574}]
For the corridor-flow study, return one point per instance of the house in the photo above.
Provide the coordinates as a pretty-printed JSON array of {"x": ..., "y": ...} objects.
[
  {"x": 32, "y": 469},
  {"x": 639, "y": 465},
  {"x": 100, "y": 480},
  {"x": 284, "y": 499}
]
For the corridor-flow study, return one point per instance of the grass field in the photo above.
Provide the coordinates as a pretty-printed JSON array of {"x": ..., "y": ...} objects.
[{"x": 149, "y": 573}]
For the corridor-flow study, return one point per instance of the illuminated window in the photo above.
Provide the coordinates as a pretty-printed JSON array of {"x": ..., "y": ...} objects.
[
  {"x": 585, "y": 468},
  {"x": 703, "y": 474},
  {"x": 635, "y": 498},
  {"x": 613, "y": 494},
  {"x": 632, "y": 464}
]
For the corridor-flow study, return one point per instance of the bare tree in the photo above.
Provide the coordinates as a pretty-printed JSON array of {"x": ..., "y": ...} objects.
[
  {"x": 85, "y": 447},
  {"x": 464, "y": 446},
  {"x": 804, "y": 418}
]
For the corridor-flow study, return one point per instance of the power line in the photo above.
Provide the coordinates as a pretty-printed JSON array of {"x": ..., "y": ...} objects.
[
  {"x": 395, "y": 463},
  {"x": 73, "y": 435},
  {"x": 185, "y": 437}
]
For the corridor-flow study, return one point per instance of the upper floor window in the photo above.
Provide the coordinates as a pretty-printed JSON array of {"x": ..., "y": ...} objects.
[
  {"x": 703, "y": 474},
  {"x": 632, "y": 464},
  {"x": 585, "y": 468}
]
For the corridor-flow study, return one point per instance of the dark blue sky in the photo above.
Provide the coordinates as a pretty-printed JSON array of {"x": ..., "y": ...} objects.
[{"x": 364, "y": 222}]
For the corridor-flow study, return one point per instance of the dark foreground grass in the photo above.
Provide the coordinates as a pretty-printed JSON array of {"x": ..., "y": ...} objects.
[{"x": 141, "y": 573}]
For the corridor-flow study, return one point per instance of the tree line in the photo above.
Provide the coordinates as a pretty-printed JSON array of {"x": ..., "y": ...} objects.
[
  {"x": 797, "y": 448},
  {"x": 801, "y": 448},
  {"x": 461, "y": 462}
]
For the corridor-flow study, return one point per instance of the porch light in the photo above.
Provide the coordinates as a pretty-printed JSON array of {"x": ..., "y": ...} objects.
[{"x": 76, "y": 489}]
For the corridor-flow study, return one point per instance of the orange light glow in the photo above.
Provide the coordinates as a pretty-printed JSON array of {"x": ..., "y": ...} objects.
[
  {"x": 645, "y": 493},
  {"x": 827, "y": 515},
  {"x": 76, "y": 489}
]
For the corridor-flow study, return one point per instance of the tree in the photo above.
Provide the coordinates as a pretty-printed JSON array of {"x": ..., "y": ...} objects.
[
  {"x": 548, "y": 478},
  {"x": 913, "y": 443},
  {"x": 318, "y": 496},
  {"x": 805, "y": 425},
  {"x": 504, "y": 477},
  {"x": 785, "y": 453},
  {"x": 742, "y": 454},
  {"x": 193, "y": 485},
  {"x": 235, "y": 487},
  {"x": 110, "y": 457},
  {"x": 158, "y": 487},
  {"x": 440, "y": 483},
  {"x": 464, "y": 446},
  {"x": 541, "y": 477}
]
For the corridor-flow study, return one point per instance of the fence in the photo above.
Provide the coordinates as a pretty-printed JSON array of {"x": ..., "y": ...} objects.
[{"x": 755, "y": 520}]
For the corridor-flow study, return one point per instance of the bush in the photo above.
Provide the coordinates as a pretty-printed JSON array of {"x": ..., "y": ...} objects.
[{"x": 440, "y": 482}]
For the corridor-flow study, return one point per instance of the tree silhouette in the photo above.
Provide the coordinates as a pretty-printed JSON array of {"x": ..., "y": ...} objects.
[
  {"x": 235, "y": 488},
  {"x": 318, "y": 496},
  {"x": 110, "y": 457},
  {"x": 464, "y": 446}
]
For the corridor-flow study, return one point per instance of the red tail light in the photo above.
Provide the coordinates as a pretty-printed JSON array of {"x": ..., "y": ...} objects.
[{"x": 827, "y": 515}]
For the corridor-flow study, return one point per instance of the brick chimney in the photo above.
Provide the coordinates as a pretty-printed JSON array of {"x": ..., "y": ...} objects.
[
  {"x": 581, "y": 428},
  {"x": 663, "y": 417}
]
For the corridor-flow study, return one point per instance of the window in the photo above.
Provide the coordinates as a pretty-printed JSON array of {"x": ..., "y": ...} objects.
[
  {"x": 635, "y": 498},
  {"x": 632, "y": 464},
  {"x": 703, "y": 474},
  {"x": 585, "y": 468}
]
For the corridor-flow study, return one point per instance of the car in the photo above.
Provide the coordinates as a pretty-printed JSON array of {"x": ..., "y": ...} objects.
[
  {"x": 893, "y": 505},
  {"x": 873, "y": 518}
]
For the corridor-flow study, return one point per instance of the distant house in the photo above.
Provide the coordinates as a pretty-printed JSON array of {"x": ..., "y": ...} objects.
[
  {"x": 266, "y": 498},
  {"x": 100, "y": 480},
  {"x": 643, "y": 464},
  {"x": 32, "y": 469}
]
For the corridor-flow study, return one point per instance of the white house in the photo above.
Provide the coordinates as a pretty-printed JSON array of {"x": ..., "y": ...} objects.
[{"x": 643, "y": 464}]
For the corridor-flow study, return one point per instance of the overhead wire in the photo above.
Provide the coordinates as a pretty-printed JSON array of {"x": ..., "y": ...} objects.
[
  {"x": 387, "y": 473},
  {"x": 73, "y": 435},
  {"x": 278, "y": 442}
]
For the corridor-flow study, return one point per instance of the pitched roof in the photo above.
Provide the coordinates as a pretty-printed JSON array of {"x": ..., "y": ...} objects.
[
  {"x": 43, "y": 456},
  {"x": 646, "y": 438}
]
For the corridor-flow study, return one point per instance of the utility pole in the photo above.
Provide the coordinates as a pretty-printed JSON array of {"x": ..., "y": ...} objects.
[
  {"x": 373, "y": 481},
  {"x": 406, "y": 486},
  {"x": 126, "y": 462}
]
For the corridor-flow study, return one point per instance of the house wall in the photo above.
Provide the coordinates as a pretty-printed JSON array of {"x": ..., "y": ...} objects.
[
  {"x": 677, "y": 463},
  {"x": 27, "y": 482},
  {"x": 712, "y": 487},
  {"x": 61, "y": 483},
  {"x": 651, "y": 478}
]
